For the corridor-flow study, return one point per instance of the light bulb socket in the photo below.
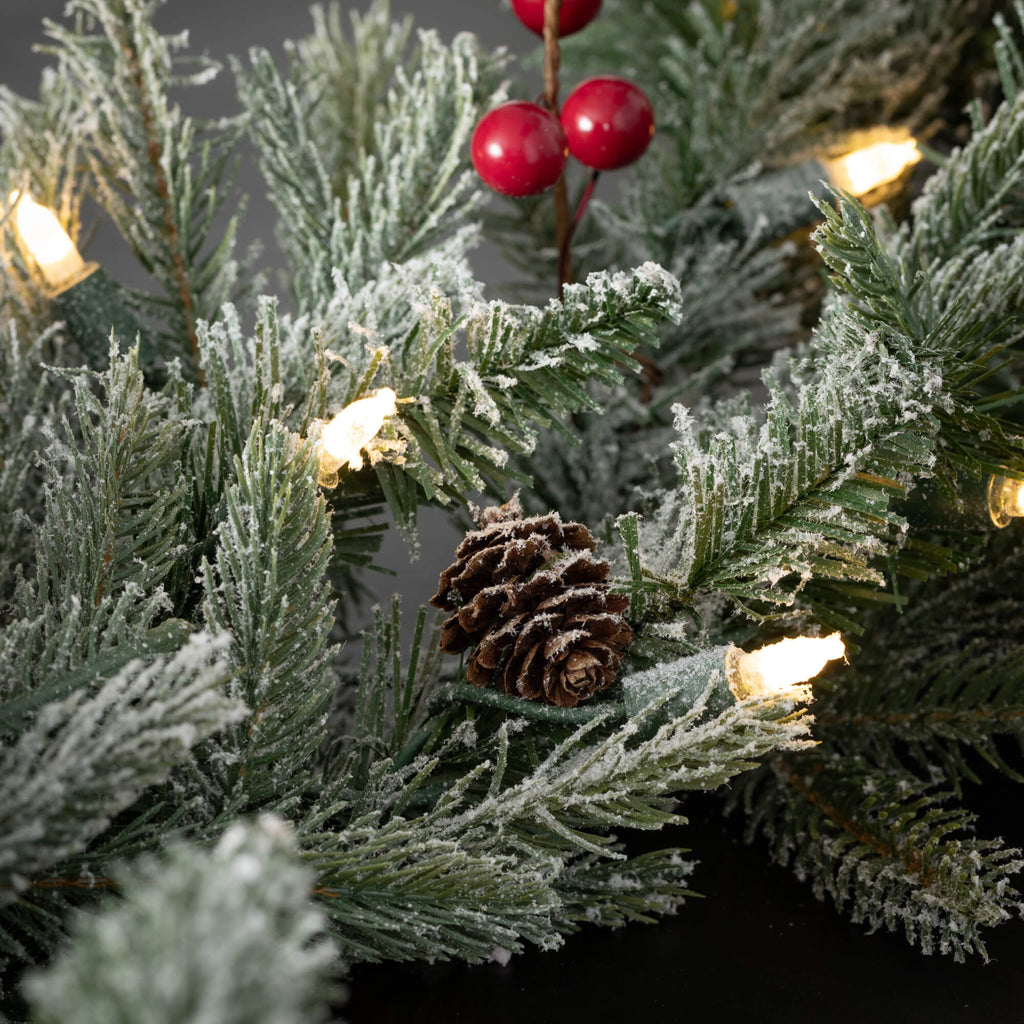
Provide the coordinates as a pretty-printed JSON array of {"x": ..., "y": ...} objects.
[
  {"x": 92, "y": 305},
  {"x": 742, "y": 681},
  {"x": 778, "y": 203},
  {"x": 680, "y": 685}
]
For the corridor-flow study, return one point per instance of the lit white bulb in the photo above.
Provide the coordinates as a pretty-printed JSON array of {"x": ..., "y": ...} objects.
[
  {"x": 1005, "y": 500},
  {"x": 344, "y": 438},
  {"x": 47, "y": 242},
  {"x": 779, "y": 667},
  {"x": 877, "y": 164}
]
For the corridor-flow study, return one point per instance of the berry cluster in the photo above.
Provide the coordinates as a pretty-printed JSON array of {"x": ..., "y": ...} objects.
[{"x": 521, "y": 148}]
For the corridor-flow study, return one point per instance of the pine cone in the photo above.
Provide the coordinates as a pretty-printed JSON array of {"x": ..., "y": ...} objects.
[{"x": 533, "y": 600}]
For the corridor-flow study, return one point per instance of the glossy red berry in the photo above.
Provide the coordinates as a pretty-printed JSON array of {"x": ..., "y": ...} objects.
[
  {"x": 572, "y": 16},
  {"x": 608, "y": 122},
  {"x": 519, "y": 148}
]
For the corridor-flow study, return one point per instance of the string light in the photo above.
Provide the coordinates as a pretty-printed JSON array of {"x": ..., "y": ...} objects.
[
  {"x": 870, "y": 166},
  {"x": 1005, "y": 500},
  {"x": 47, "y": 243},
  {"x": 81, "y": 294},
  {"x": 776, "y": 203},
  {"x": 774, "y": 669},
  {"x": 341, "y": 442}
]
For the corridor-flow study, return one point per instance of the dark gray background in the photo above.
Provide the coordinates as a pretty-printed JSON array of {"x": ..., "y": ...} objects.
[
  {"x": 760, "y": 948},
  {"x": 223, "y": 27}
]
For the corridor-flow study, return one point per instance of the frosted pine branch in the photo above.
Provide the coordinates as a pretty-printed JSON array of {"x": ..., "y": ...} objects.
[
  {"x": 267, "y": 586},
  {"x": 939, "y": 685},
  {"x": 236, "y": 922},
  {"x": 887, "y": 853},
  {"x": 404, "y": 193},
  {"x": 89, "y": 755},
  {"x": 161, "y": 177}
]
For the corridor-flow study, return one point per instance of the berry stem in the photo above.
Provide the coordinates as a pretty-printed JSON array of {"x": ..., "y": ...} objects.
[
  {"x": 563, "y": 216},
  {"x": 565, "y": 240},
  {"x": 552, "y": 54},
  {"x": 585, "y": 199}
]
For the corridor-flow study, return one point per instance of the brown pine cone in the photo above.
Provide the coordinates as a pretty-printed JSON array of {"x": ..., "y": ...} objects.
[{"x": 533, "y": 600}]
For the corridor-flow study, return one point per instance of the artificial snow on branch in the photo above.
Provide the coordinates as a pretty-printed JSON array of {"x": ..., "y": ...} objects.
[
  {"x": 190, "y": 516},
  {"x": 161, "y": 177},
  {"x": 251, "y": 945}
]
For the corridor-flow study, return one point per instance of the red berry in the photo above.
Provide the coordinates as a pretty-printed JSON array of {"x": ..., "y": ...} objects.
[
  {"x": 519, "y": 148},
  {"x": 572, "y": 16},
  {"x": 608, "y": 122}
]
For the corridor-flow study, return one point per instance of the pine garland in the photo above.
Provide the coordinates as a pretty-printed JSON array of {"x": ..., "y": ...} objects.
[{"x": 192, "y": 755}]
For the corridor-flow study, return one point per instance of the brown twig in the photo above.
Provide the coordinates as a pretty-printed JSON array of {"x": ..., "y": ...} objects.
[
  {"x": 154, "y": 151},
  {"x": 563, "y": 216}
]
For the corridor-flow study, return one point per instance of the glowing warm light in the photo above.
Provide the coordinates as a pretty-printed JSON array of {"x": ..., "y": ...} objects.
[
  {"x": 877, "y": 164},
  {"x": 780, "y": 666},
  {"x": 47, "y": 242},
  {"x": 344, "y": 438},
  {"x": 1005, "y": 500}
]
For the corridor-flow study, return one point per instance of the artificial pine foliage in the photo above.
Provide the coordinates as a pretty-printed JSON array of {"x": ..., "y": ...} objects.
[{"x": 731, "y": 415}]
